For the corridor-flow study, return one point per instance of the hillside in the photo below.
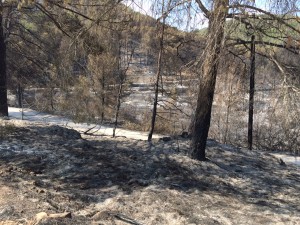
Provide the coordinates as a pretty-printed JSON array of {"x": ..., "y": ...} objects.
[
  {"x": 52, "y": 175},
  {"x": 108, "y": 71}
]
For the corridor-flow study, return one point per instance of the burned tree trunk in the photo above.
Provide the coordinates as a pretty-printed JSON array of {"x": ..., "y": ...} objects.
[
  {"x": 20, "y": 96},
  {"x": 3, "y": 84},
  {"x": 158, "y": 75},
  {"x": 120, "y": 91},
  {"x": 209, "y": 69},
  {"x": 251, "y": 94}
]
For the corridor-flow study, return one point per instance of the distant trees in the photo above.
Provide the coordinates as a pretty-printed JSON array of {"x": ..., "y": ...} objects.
[
  {"x": 11, "y": 25},
  {"x": 46, "y": 40},
  {"x": 71, "y": 51}
]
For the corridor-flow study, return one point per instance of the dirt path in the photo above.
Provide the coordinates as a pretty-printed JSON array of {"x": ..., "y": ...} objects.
[{"x": 122, "y": 181}]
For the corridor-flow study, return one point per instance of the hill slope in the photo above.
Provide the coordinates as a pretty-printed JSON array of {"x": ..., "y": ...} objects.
[{"x": 122, "y": 181}]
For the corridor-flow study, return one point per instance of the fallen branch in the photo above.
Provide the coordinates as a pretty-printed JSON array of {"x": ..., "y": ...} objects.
[
  {"x": 42, "y": 215},
  {"x": 124, "y": 219}
]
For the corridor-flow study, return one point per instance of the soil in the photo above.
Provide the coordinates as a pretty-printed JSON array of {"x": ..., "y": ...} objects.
[{"x": 46, "y": 171}]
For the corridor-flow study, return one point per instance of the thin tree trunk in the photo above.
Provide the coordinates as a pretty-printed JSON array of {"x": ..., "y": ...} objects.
[
  {"x": 227, "y": 115},
  {"x": 118, "y": 105},
  {"x": 251, "y": 94},
  {"x": 121, "y": 80},
  {"x": 158, "y": 75},
  {"x": 3, "y": 83},
  {"x": 52, "y": 94},
  {"x": 122, "y": 77},
  {"x": 103, "y": 98},
  {"x": 201, "y": 121},
  {"x": 20, "y": 96}
]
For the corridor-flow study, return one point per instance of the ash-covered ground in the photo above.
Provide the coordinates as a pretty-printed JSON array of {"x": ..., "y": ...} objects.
[{"x": 52, "y": 175}]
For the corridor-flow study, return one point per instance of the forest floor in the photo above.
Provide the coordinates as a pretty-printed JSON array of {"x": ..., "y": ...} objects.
[{"x": 51, "y": 175}]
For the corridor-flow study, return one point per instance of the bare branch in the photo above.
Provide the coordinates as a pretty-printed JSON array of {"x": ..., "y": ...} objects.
[
  {"x": 239, "y": 41},
  {"x": 273, "y": 16},
  {"x": 203, "y": 8},
  {"x": 47, "y": 13}
]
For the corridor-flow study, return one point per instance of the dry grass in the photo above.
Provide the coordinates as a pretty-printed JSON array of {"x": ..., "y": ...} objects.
[
  {"x": 121, "y": 181},
  {"x": 6, "y": 129}
]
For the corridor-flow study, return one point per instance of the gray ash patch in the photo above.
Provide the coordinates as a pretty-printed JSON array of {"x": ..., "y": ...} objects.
[{"x": 150, "y": 184}]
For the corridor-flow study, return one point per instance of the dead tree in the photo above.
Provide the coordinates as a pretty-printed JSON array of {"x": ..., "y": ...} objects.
[
  {"x": 208, "y": 73},
  {"x": 122, "y": 79},
  {"x": 251, "y": 94},
  {"x": 158, "y": 73}
]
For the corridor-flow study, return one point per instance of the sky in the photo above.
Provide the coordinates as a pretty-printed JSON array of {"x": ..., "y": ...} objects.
[{"x": 196, "y": 21}]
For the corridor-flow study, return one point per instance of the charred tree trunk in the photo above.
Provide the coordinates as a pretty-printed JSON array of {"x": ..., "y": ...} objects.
[
  {"x": 20, "y": 96},
  {"x": 102, "y": 97},
  {"x": 251, "y": 94},
  {"x": 201, "y": 121},
  {"x": 158, "y": 75},
  {"x": 120, "y": 91},
  {"x": 3, "y": 83}
]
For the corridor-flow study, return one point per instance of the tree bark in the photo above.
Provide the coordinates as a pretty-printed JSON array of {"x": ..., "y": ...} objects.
[
  {"x": 3, "y": 83},
  {"x": 251, "y": 94},
  {"x": 201, "y": 121}
]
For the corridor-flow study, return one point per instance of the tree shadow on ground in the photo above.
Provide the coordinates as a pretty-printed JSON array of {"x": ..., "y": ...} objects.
[{"x": 81, "y": 170}]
